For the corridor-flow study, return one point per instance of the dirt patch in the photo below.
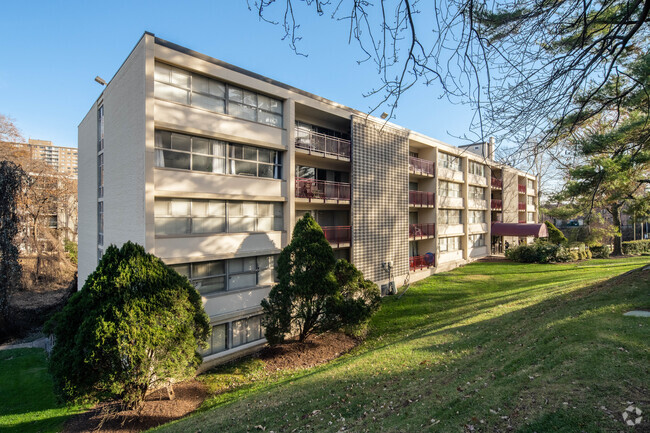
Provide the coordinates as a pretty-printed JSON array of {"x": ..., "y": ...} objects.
[
  {"x": 316, "y": 350},
  {"x": 157, "y": 410}
]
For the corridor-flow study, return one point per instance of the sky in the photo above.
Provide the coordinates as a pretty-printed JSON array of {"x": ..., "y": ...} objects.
[{"x": 51, "y": 52}]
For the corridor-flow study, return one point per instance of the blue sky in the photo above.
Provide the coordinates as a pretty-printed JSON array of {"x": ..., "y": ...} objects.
[{"x": 51, "y": 52}]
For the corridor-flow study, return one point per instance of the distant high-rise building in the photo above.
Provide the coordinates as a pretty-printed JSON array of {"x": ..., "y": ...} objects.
[{"x": 64, "y": 159}]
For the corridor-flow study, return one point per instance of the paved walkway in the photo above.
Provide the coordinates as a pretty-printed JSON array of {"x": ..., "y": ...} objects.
[{"x": 40, "y": 343}]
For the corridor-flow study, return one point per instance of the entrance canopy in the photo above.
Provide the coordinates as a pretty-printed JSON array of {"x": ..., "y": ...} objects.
[{"x": 519, "y": 230}]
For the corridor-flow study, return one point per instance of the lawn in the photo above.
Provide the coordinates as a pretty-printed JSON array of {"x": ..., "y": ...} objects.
[
  {"x": 27, "y": 403},
  {"x": 487, "y": 347}
]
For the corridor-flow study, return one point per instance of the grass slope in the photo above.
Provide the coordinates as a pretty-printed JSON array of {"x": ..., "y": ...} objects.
[
  {"x": 27, "y": 403},
  {"x": 486, "y": 347}
]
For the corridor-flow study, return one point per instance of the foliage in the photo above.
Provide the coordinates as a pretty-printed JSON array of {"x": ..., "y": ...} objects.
[
  {"x": 526, "y": 330},
  {"x": 538, "y": 252},
  {"x": 314, "y": 295},
  {"x": 134, "y": 325},
  {"x": 636, "y": 247},
  {"x": 555, "y": 236},
  {"x": 11, "y": 181},
  {"x": 71, "y": 248},
  {"x": 600, "y": 251}
]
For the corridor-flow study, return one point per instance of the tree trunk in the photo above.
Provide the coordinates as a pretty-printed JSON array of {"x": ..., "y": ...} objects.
[{"x": 618, "y": 240}]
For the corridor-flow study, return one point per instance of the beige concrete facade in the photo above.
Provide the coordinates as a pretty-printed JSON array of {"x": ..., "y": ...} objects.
[{"x": 351, "y": 171}]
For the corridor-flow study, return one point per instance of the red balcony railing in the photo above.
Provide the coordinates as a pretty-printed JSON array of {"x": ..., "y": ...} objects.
[
  {"x": 522, "y": 221},
  {"x": 421, "y": 166},
  {"x": 418, "y": 262},
  {"x": 322, "y": 189},
  {"x": 316, "y": 142},
  {"x": 522, "y": 206},
  {"x": 496, "y": 183},
  {"x": 522, "y": 188},
  {"x": 337, "y": 234},
  {"x": 421, "y": 198},
  {"x": 422, "y": 230},
  {"x": 496, "y": 204}
]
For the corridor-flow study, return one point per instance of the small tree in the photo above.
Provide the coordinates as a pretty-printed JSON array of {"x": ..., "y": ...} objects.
[
  {"x": 555, "y": 236},
  {"x": 310, "y": 297},
  {"x": 135, "y": 324}
]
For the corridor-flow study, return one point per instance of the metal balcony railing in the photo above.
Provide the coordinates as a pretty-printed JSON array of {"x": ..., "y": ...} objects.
[
  {"x": 418, "y": 262},
  {"x": 421, "y": 198},
  {"x": 322, "y": 190},
  {"x": 522, "y": 206},
  {"x": 522, "y": 221},
  {"x": 496, "y": 204},
  {"x": 496, "y": 183},
  {"x": 421, "y": 166},
  {"x": 422, "y": 230},
  {"x": 337, "y": 235},
  {"x": 522, "y": 188},
  {"x": 315, "y": 142}
]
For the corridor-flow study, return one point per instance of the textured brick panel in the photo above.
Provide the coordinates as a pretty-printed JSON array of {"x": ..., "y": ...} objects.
[{"x": 379, "y": 198}]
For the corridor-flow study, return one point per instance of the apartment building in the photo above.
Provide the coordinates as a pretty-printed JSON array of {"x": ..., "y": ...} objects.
[
  {"x": 208, "y": 166},
  {"x": 63, "y": 159}
]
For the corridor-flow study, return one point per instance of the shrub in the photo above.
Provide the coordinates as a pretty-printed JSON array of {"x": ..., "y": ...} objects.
[
  {"x": 135, "y": 324},
  {"x": 575, "y": 256},
  {"x": 71, "y": 248},
  {"x": 555, "y": 236},
  {"x": 589, "y": 254},
  {"x": 538, "y": 252},
  {"x": 315, "y": 294},
  {"x": 600, "y": 251},
  {"x": 636, "y": 247}
]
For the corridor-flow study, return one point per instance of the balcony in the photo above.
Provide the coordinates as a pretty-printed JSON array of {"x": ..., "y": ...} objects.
[
  {"x": 496, "y": 183},
  {"x": 522, "y": 221},
  {"x": 322, "y": 190},
  {"x": 422, "y": 230},
  {"x": 421, "y": 198},
  {"x": 421, "y": 166},
  {"x": 496, "y": 204},
  {"x": 522, "y": 206},
  {"x": 418, "y": 262},
  {"x": 338, "y": 236},
  {"x": 322, "y": 144},
  {"x": 521, "y": 189}
]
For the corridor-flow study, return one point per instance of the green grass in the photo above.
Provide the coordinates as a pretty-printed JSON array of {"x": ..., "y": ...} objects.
[
  {"x": 496, "y": 346},
  {"x": 27, "y": 403}
]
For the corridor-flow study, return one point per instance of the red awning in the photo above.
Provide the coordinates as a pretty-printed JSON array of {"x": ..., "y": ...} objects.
[{"x": 520, "y": 230}]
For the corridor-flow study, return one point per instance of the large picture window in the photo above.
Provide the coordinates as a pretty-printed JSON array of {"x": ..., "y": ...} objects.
[
  {"x": 476, "y": 216},
  {"x": 215, "y": 156},
  {"x": 234, "y": 274},
  {"x": 477, "y": 240},
  {"x": 179, "y": 216},
  {"x": 450, "y": 244},
  {"x": 476, "y": 192},
  {"x": 476, "y": 168},
  {"x": 188, "y": 88},
  {"x": 450, "y": 189},
  {"x": 450, "y": 216},
  {"x": 229, "y": 335},
  {"x": 449, "y": 161}
]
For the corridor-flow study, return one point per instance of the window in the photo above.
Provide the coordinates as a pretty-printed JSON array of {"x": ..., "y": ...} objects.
[
  {"x": 215, "y": 156},
  {"x": 476, "y": 216},
  {"x": 176, "y": 216},
  {"x": 450, "y": 216},
  {"x": 476, "y": 193},
  {"x": 100, "y": 223},
  {"x": 414, "y": 154},
  {"x": 100, "y": 175},
  {"x": 531, "y": 184},
  {"x": 530, "y": 217},
  {"x": 233, "y": 334},
  {"x": 450, "y": 244},
  {"x": 477, "y": 240},
  {"x": 449, "y": 189},
  {"x": 218, "y": 340},
  {"x": 223, "y": 275},
  {"x": 530, "y": 199},
  {"x": 449, "y": 161},
  {"x": 476, "y": 168},
  {"x": 176, "y": 85},
  {"x": 100, "y": 128},
  {"x": 413, "y": 249}
]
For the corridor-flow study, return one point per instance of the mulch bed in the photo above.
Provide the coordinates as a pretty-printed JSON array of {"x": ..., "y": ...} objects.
[
  {"x": 314, "y": 351},
  {"x": 158, "y": 409}
]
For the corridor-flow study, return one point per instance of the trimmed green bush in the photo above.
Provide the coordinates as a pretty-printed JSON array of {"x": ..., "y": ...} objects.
[
  {"x": 589, "y": 254},
  {"x": 631, "y": 248},
  {"x": 600, "y": 251},
  {"x": 555, "y": 236},
  {"x": 134, "y": 325},
  {"x": 538, "y": 252},
  {"x": 315, "y": 294},
  {"x": 575, "y": 256}
]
